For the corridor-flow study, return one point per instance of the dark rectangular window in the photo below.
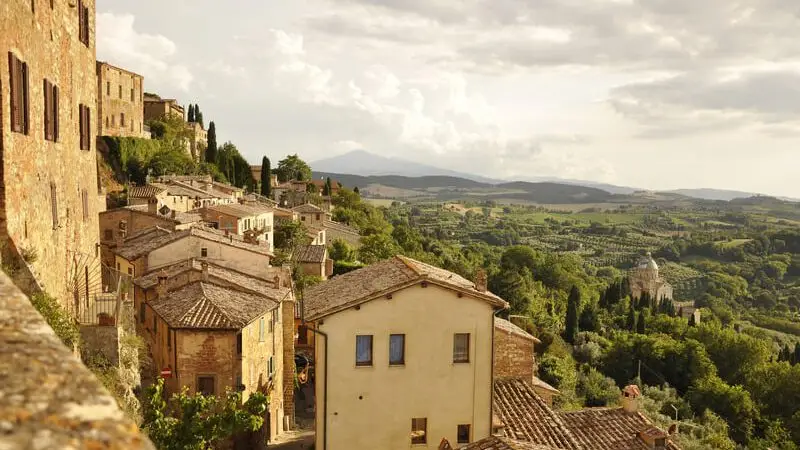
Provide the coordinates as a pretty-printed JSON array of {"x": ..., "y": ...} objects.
[
  {"x": 54, "y": 204},
  {"x": 133, "y": 99},
  {"x": 108, "y": 88},
  {"x": 203, "y": 252},
  {"x": 463, "y": 434},
  {"x": 239, "y": 344},
  {"x": 120, "y": 91},
  {"x": 364, "y": 350},
  {"x": 397, "y": 349},
  {"x": 108, "y": 235},
  {"x": 461, "y": 348},
  {"x": 85, "y": 117},
  {"x": 18, "y": 77},
  {"x": 142, "y": 309},
  {"x": 155, "y": 324},
  {"x": 121, "y": 119},
  {"x": 85, "y": 204},
  {"x": 419, "y": 430},
  {"x": 302, "y": 335},
  {"x": 50, "y": 111},
  {"x": 83, "y": 23},
  {"x": 205, "y": 385}
]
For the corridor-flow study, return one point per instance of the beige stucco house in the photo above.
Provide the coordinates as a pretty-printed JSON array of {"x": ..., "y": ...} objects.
[
  {"x": 252, "y": 221},
  {"x": 403, "y": 356}
]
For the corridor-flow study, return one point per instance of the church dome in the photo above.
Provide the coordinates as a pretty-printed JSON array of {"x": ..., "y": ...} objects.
[{"x": 648, "y": 262}]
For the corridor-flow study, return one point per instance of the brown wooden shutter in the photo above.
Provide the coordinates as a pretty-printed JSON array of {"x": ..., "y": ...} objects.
[
  {"x": 80, "y": 20},
  {"x": 26, "y": 99},
  {"x": 86, "y": 25},
  {"x": 47, "y": 111},
  {"x": 54, "y": 99},
  {"x": 12, "y": 78},
  {"x": 54, "y": 204},
  {"x": 85, "y": 202},
  {"x": 80, "y": 125},
  {"x": 88, "y": 128}
]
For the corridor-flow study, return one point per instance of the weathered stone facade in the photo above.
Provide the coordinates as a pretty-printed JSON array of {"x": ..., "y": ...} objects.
[
  {"x": 117, "y": 224},
  {"x": 513, "y": 352},
  {"x": 198, "y": 140},
  {"x": 287, "y": 325},
  {"x": 155, "y": 108},
  {"x": 48, "y": 188},
  {"x": 120, "y": 102},
  {"x": 644, "y": 278}
]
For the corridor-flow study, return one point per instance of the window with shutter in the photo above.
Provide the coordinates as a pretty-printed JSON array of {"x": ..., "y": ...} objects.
[
  {"x": 18, "y": 77},
  {"x": 54, "y": 204},
  {"x": 54, "y": 100},
  {"x": 47, "y": 112},
  {"x": 84, "y": 114},
  {"x": 85, "y": 203},
  {"x": 120, "y": 91}
]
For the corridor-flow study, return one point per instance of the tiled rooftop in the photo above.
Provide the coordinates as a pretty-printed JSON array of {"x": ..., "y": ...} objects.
[
  {"x": 144, "y": 191},
  {"x": 608, "y": 429},
  {"x": 383, "y": 277},
  {"x": 503, "y": 443},
  {"x": 240, "y": 211},
  {"x": 263, "y": 283},
  {"x": 307, "y": 208},
  {"x": 210, "y": 306},
  {"x": 508, "y": 327},
  {"x": 144, "y": 243},
  {"x": 537, "y": 382},
  {"x": 310, "y": 254},
  {"x": 526, "y": 417},
  {"x": 338, "y": 226}
]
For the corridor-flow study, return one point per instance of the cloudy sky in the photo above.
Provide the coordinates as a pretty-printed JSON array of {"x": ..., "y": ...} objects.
[{"x": 648, "y": 93}]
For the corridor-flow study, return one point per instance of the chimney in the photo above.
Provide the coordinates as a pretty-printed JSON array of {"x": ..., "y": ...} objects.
[
  {"x": 630, "y": 399},
  {"x": 204, "y": 267},
  {"x": 152, "y": 205},
  {"x": 480, "y": 280},
  {"x": 161, "y": 287}
]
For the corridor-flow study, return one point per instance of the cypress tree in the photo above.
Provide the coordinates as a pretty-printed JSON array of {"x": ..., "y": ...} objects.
[
  {"x": 355, "y": 189},
  {"x": 198, "y": 116},
  {"x": 571, "y": 329},
  {"x": 691, "y": 320},
  {"x": 266, "y": 174},
  {"x": 630, "y": 321},
  {"x": 211, "y": 150},
  {"x": 796, "y": 356},
  {"x": 190, "y": 115},
  {"x": 326, "y": 190},
  {"x": 640, "y": 325}
]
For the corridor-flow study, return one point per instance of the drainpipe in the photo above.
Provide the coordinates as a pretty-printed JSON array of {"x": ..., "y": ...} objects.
[{"x": 324, "y": 374}]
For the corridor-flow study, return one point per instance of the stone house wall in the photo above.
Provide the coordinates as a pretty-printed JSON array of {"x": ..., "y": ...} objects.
[
  {"x": 192, "y": 246},
  {"x": 287, "y": 325},
  {"x": 120, "y": 95},
  {"x": 256, "y": 354},
  {"x": 135, "y": 222},
  {"x": 513, "y": 356},
  {"x": 41, "y": 178}
]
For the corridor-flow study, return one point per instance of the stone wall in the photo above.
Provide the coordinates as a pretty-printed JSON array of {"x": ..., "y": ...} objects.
[
  {"x": 135, "y": 221},
  {"x": 255, "y": 356},
  {"x": 119, "y": 96},
  {"x": 41, "y": 177},
  {"x": 48, "y": 399},
  {"x": 287, "y": 324},
  {"x": 102, "y": 341},
  {"x": 513, "y": 356}
]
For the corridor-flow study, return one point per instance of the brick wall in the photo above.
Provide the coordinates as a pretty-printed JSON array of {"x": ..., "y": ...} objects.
[
  {"x": 47, "y": 40},
  {"x": 513, "y": 355},
  {"x": 287, "y": 311},
  {"x": 119, "y": 93},
  {"x": 255, "y": 356}
]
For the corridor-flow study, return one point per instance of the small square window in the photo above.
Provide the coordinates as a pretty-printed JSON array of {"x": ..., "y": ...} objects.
[
  {"x": 463, "y": 434},
  {"x": 203, "y": 252},
  {"x": 364, "y": 350},
  {"x": 419, "y": 431},
  {"x": 397, "y": 349},
  {"x": 205, "y": 385},
  {"x": 461, "y": 348},
  {"x": 108, "y": 235}
]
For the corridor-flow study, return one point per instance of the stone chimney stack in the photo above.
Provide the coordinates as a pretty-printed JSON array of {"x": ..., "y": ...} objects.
[
  {"x": 204, "y": 267},
  {"x": 630, "y": 399},
  {"x": 152, "y": 205},
  {"x": 161, "y": 287},
  {"x": 481, "y": 280}
]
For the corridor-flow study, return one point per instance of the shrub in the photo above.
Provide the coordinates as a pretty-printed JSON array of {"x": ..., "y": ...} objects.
[{"x": 58, "y": 318}]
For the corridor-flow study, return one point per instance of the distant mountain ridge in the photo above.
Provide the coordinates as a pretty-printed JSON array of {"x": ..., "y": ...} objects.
[{"x": 370, "y": 168}]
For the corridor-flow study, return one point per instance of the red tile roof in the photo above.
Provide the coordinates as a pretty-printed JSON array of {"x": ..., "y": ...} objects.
[{"x": 609, "y": 429}]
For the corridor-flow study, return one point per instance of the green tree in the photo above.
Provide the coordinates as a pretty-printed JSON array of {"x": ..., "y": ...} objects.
[
  {"x": 326, "y": 190},
  {"x": 266, "y": 174},
  {"x": 198, "y": 422},
  {"x": 289, "y": 235},
  {"x": 573, "y": 304},
  {"x": 641, "y": 327},
  {"x": 341, "y": 251},
  {"x": 732, "y": 403},
  {"x": 630, "y": 322},
  {"x": 211, "y": 149},
  {"x": 198, "y": 116},
  {"x": 293, "y": 168},
  {"x": 597, "y": 389},
  {"x": 589, "y": 320},
  {"x": 190, "y": 114},
  {"x": 355, "y": 189},
  {"x": 377, "y": 247}
]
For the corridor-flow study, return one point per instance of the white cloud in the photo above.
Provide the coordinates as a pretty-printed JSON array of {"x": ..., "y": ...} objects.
[{"x": 154, "y": 56}]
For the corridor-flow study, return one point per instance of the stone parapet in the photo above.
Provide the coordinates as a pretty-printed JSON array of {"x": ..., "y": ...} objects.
[{"x": 48, "y": 399}]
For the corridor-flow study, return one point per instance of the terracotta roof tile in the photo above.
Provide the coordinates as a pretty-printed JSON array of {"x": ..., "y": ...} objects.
[
  {"x": 144, "y": 191},
  {"x": 503, "y": 443},
  {"x": 310, "y": 254},
  {"x": 609, "y": 428},
  {"x": 526, "y": 417},
  {"x": 148, "y": 240},
  {"x": 508, "y": 327},
  {"x": 307, "y": 208},
  {"x": 536, "y": 382},
  {"x": 385, "y": 276},
  {"x": 210, "y": 306},
  {"x": 338, "y": 226},
  {"x": 237, "y": 210}
]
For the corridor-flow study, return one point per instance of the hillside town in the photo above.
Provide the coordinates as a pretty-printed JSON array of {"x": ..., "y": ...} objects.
[{"x": 229, "y": 306}]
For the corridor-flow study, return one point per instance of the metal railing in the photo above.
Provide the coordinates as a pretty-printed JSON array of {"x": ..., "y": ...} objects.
[{"x": 98, "y": 292}]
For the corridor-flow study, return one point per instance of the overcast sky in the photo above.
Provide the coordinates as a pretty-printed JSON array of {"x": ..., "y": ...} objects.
[{"x": 657, "y": 94}]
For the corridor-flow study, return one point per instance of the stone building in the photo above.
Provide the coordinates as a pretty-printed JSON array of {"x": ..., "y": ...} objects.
[
  {"x": 198, "y": 140},
  {"x": 644, "y": 278},
  {"x": 313, "y": 260},
  {"x": 514, "y": 356},
  {"x": 403, "y": 356},
  {"x": 156, "y": 107},
  {"x": 252, "y": 222},
  {"x": 217, "y": 328},
  {"x": 120, "y": 102},
  {"x": 49, "y": 190}
]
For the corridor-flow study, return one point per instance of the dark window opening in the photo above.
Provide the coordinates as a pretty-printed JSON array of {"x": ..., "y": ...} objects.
[
  {"x": 205, "y": 385},
  {"x": 397, "y": 349},
  {"x": 50, "y": 111},
  {"x": 463, "y": 434},
  {"x": 461, "y": 348},
  {"x": 18, "y": 77},
  {"x": 419, "y": 431},
  {"x": 364, "y": 350}
]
